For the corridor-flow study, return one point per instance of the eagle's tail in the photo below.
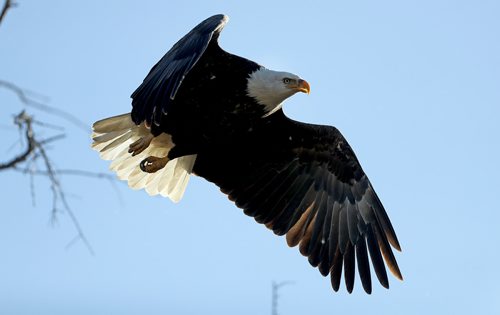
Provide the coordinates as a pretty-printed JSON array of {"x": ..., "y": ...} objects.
[{"x": 112, "y": 137}]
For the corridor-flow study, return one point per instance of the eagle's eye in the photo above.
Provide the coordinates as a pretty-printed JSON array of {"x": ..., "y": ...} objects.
[{"x": 287, "y": 80}]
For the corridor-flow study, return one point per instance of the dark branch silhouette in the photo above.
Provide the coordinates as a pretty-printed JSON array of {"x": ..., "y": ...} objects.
[
  {"x": 6, "y": 6},
  {"x": 275, "y": 295},
  {"x": 35, "y": 150},
  {"x": 20, "y": 120}
]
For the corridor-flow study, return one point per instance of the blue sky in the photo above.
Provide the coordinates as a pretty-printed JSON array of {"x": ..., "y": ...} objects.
[{"x": 413, "y": 85}]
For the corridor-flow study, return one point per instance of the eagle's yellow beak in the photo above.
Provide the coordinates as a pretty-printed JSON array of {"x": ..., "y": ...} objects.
[{"x": 303, "y": 86}]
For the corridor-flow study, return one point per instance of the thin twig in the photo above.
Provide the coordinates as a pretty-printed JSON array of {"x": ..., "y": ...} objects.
[
  {"x": 51, "y": 139},
  {"x": 68, "y": 172},
  {"x": 72, "y": 242},
  {"x": 31, "y": 167},
  {"x": 274, "y": 301},
  {"x": 19, "y": 120},
  {"x": 6, "y": 6},
  {"x": 109, "y": 177},
  {"x": 36, "y": 149},
  {"x": 29, "y": 101},
  {"x": 57, "y": 190},
  {"x": 46, "y": 125}
]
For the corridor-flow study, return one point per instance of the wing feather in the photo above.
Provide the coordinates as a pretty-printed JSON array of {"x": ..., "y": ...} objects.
[
  {"x": 317, "y": 231},
  {"x": 334, "y": 231},
  {"x": 363, "y": 265},
  {"x": 336, "y": 271},
  {"x": 349, "y": 267},
  {"x": 352, "y": 222},
  {"x": 343, "y": 230},
  {"x": 376, "y": 257}
]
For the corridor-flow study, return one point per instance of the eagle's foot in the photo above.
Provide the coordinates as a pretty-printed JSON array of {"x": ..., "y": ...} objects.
[
  {"x": 140, "y": 145},
  {"x": 152, "y": 164}
]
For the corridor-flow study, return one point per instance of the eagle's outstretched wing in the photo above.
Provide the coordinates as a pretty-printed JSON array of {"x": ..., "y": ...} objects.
[
  {"x": 154, "y": 96},
  {"x": 305, "y": 181}
]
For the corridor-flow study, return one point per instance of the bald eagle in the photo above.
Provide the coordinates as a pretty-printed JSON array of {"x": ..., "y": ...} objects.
[{"x": 203, "y": 111}]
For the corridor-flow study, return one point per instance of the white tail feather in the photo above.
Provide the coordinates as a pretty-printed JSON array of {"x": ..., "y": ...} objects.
[{"x": 112, "y": 138}]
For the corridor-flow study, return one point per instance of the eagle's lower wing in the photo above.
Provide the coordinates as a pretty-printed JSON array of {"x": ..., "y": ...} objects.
[
  {"x": 305, "y": 181},
  {"x": 154, "y": 96}
]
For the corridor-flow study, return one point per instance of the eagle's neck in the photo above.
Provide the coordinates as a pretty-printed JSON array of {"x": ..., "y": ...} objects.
[{"x": 266, "y": 88}]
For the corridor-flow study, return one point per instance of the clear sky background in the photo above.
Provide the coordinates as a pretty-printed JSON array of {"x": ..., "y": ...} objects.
[{"x": 413, "y": 85}]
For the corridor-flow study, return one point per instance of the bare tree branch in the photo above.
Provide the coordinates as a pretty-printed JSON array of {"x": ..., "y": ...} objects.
[
  {"x": 275, "y": 296},
  {"x": 22, "y": 120},
  {"x": 6, "y": 6},
  {"x": 35, "y": 150},
  {"x": 58, "y": 192}
]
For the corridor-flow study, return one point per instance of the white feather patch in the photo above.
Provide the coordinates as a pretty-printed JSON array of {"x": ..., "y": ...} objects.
[{"x": 112, "y": 138}]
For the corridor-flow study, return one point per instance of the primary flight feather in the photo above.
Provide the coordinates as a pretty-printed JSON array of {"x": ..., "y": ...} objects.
[{"x": 204, "y": 111}]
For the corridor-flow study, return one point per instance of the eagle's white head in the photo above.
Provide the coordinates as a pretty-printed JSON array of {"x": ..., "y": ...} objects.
[{"x": 270, "y": 88}]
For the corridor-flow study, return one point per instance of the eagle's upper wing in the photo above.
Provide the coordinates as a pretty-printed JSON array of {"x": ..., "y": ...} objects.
[
  {"x": 305, "y": 181},
  {"x": 155, "y": 94}
]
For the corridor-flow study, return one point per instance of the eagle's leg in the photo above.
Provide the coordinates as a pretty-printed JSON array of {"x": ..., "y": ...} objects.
[
  {"x": 152, "y": 164},
  {"x": 140, "y": 145}
]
